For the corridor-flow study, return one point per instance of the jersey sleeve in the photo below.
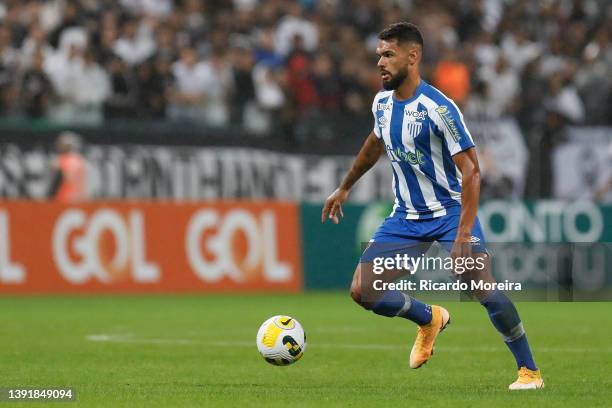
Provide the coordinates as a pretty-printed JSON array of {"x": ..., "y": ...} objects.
[
  {"x": 451, "y": 125},
  {"x": 376, "y": 129}
]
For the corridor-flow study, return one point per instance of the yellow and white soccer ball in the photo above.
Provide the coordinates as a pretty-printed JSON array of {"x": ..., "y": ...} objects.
[{"x": 281, "y": 340}]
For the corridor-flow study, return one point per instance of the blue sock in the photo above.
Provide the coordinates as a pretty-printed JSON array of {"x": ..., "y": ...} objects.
[
  {"x": 506, "y": 320},
  {"x": 522, "y": 353},
  {"x": 395, "y": 303}
]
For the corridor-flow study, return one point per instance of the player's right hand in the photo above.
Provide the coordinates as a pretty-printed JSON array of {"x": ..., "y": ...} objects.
[{"x": 333, "y": 205}]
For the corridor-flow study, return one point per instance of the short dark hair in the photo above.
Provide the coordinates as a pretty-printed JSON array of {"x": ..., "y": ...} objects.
[{"x": 402, "y": 32}]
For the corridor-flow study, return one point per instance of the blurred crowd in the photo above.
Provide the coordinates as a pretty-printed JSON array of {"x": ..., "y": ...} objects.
[{"x": 278, "y": 65}]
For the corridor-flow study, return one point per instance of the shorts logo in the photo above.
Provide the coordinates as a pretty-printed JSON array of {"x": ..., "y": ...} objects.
[
  {"x": 449, "y": 122},
  {"x": 474, "y": 239}
]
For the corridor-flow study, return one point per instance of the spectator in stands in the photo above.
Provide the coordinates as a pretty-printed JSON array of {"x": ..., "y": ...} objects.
[
  {"x": 70, "y": 17},
  {"x": 352, "y": 89},
  {"x": 300, "y": 79},
  {"x": 503, "y": 85},
  {"x": 34, "y": 43},
  {"x": 295, "y": 24},
  {"x": 122, "y": 100},
  {"x": 271, "y": 95},
  {"x": 530, "y": 112},
  {"x": 136, "y": 43},
  {"x": 194, "y": 19},
  {"x": 9, "y": 58},
  {"x": 452, "y": 77},
  {"x": 61, "y": 68},
  {"x": 201, "y": 88},
  {"x": 478, "y": 104},
  {"x": 82, "y": 86},
  {"x": 154, "y": 82},
  {"x": 593, "y": 79},
  {"x": 264, "y": 49},
  {"x": 104, "y": 42},
  {"x": 485, "y": 51},
  {"x": 188, "y": 94},
  {"x": 325, "y": 83},
  {"x": 563, "y": 99},
  {"x": 243, "y": 97},
  {"x": 36, "y": 87},
  {"x": 218, "y": 85},
  {"x": 518, "y": 49},
  {"x": 165, "y": 43}
]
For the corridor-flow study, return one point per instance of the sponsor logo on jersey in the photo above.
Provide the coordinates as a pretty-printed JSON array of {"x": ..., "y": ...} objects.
[
  {"x": 383, "y": 107},
  {"x": 382, "y": 121},
  {"x": 418, "y": 115},
  {"x": 449, "y": 122},
  {"x": 398, "y": 155}
]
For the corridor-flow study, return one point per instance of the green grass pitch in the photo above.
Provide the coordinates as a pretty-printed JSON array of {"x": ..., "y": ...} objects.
[{"x": 174, "y": 351}]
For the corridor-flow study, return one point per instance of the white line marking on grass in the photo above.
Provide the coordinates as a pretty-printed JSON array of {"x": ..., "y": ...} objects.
[
  {"x": 123, "y": 338},
  {"x": 128, "y": 338}
]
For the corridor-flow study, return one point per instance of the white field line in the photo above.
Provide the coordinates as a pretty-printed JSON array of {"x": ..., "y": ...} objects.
[{"x": 123, "y": 338}]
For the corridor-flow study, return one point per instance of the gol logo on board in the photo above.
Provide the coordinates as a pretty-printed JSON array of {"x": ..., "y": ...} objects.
[
  {"x": 104, "y": 246},
  {"x": 237, "y": 245}
]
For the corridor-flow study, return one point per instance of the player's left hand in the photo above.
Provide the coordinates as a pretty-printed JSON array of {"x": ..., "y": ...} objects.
[
  {"x": 333, "y": 205},
  {"x": 462, "y": 248}
]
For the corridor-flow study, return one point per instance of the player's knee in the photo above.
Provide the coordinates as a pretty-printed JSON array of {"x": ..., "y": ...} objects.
[
  {"x": 356, "y": 292},
  {"x": 358, "y": 298}
]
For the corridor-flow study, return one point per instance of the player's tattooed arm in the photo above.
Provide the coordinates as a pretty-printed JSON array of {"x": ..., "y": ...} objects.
[
  {"x": 367, "y": 157},
  {"x": 467, "y": 161}
]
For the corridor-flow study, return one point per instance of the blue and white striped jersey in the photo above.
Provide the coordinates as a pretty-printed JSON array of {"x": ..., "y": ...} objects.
[{"x": 421, "y": 134}]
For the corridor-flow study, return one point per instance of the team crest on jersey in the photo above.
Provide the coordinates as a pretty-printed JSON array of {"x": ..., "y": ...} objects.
[
  {"x": 449, "y": 122},
  {"x": 414, "y": 128}
]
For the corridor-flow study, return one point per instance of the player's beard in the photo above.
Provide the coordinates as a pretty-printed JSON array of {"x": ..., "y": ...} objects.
[{"x": 396, "y": 80}]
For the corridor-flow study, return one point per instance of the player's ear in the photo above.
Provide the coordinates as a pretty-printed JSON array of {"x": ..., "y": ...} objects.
[{"x": 414, "y": 54}]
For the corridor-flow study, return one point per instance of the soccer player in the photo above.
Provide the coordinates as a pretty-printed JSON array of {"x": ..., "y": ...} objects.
[{"x": 436, "y": 181}]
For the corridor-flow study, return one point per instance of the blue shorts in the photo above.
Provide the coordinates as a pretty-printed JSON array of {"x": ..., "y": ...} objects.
[{"x": 413, "y": 237}]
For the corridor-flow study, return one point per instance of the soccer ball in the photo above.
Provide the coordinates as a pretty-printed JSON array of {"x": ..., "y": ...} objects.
[{"x": 281, "y": 340}]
